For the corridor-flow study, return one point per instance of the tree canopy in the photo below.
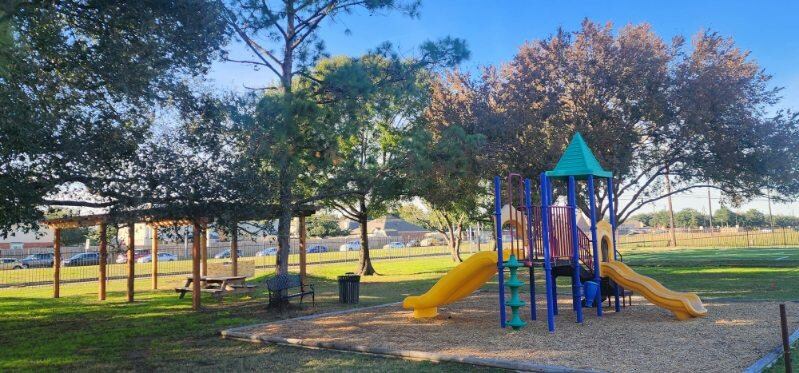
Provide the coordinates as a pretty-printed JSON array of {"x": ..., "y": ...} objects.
[
  {"x": 81, "y": 85},
  {"x": 647, "y": 108}
]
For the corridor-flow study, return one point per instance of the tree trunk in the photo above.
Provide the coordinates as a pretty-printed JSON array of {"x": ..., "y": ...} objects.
[
  {"x": 453, "y": 241},
  {"x": 286, "y": 179},
  {"x": 364, "y": 262},
  {"x": 284, "y": 223}
]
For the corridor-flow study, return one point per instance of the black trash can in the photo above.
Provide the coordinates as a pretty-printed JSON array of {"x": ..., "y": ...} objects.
[{"x": 349, "y": 288}]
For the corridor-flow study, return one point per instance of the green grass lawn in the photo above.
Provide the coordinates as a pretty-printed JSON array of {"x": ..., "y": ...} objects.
[
  {"x": 779, "y": 366},
  {"x": 160, "y": 332}
]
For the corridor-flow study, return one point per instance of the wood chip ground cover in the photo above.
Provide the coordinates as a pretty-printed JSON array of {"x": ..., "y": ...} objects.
[{"x": 640, "y": 338}]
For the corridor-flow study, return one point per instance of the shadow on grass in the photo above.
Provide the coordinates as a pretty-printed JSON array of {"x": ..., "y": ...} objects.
[{"x": 160, "y": 331}]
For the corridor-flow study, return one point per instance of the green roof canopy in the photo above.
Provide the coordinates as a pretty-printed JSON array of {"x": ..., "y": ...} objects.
[{"x": 578, "y": 161}]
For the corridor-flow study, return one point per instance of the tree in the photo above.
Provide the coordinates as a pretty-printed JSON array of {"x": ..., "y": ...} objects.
[
  {"x": 644, "y": 105},
  {"x": 283, "y": 37},
  {"x": 753, "y": 218},
  {"x": 324, "y": 225},
  {"x": 377, "y": 102},
  {"x": 644, "y": 218},
  {"x": 446, "y": 174},
  {"x": 81, "y": 85},
  {"x": 689, "y": 218},
  {"x": 724, "y": 217}
]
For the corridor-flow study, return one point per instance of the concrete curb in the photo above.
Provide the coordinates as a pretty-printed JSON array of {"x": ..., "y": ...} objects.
[
  {"x": 771, "y": 357},
  {"x": 241, "y": 334}
]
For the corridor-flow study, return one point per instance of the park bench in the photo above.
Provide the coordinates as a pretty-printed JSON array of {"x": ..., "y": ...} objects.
[{"x": 280, "y": 289}]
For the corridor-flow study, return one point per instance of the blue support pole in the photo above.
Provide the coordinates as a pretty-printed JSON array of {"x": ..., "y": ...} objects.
[
  {"x": 577, "y": 286},
  {"x": 528, "y": 202},
  {"x": 612, "y": 212},
  {"x": 500, "y": 263},
  {"x": 594, "y": 243},
  {"x": 545, "y": 242}
]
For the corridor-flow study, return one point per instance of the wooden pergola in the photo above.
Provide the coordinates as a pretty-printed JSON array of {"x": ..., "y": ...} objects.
[{"x": 157, "y": 218}]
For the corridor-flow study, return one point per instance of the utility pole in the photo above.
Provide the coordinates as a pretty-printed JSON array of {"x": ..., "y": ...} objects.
[
  {"x": 673, "y": 239},
  {"x": 709, "y": 211}
]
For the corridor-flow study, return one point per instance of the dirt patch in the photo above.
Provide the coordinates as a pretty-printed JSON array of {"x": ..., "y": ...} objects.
[{"x": 640, "y": 338}]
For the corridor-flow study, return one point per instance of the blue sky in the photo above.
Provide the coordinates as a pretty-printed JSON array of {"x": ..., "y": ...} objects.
[{"x": 494, "y": 29}]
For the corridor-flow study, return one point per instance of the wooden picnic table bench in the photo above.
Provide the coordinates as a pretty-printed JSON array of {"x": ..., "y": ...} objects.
[
  {"x": 218, "y": 286},
  {"x": 279, "y": 286}
]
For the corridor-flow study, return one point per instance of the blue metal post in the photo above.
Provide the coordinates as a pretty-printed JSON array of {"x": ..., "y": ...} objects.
[
  {"x": 577, "y": 286},
  {"x": 594, "y": 243},
  {"x": 612, "y": 212},
  {"x": 545, "y": 242},
  {"x": 500, "y": 264},
  {"x": 528, "y": 202}
]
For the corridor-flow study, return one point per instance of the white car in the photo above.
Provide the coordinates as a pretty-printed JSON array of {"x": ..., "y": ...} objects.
[
  {"x": 394, "y": 245},
  {"x": 11, "y": 263},
  {"x": 162, "y": 257},
  {"x": 350, "y": 246}
]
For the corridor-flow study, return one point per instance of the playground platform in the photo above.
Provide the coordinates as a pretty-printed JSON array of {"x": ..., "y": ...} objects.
[{"x": 641, "y": 338}]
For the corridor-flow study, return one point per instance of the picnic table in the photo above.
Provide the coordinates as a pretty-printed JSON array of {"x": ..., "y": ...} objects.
[{"x": 218, "y": 286}]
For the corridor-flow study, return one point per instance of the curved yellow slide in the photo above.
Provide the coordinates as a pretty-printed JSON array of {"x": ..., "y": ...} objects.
[
  {"x": 683, "y": 305},
  {"x": 457, "y": 284}
]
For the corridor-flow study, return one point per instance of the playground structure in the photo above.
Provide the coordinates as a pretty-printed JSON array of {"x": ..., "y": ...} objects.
[{"x": 548, "y": 236}]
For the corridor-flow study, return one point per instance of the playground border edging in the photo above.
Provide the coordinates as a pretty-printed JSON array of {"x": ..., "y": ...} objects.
[
  {"x": 239, "y": 333},
  {"x": 771, "y": 357}
]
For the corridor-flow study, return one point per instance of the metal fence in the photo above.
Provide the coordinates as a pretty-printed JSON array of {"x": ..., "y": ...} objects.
[
  {"x": 713, "y": 238},
  {"x": 319, "y": 252}
]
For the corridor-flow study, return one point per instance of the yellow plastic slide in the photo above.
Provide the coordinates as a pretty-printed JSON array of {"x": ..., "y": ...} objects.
[
  {"x": 683, "y": 305},
  {"x": 457, "y": 284}
]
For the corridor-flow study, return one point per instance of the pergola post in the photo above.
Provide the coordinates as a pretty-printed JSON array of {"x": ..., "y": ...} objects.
[
  {"x": 131, "y": 259},
  {"x": 234, "y": 248},
  {"x": 204, "y": 248},
  {"x": 103, "y": 260},
  {"x": 303, "y": 246},
  {"x": 154, "y": 255},
  {"x": 57, "y": 263},
  {"x": 195, "y": 268}
]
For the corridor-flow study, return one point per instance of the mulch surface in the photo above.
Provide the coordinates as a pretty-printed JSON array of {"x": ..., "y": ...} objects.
[{"x": 640, "y": 338}]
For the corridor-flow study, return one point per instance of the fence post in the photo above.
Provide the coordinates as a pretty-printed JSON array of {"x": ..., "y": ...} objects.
[
  {"x": 747, "y": 236},
  {"x": 786, "y": 346}
]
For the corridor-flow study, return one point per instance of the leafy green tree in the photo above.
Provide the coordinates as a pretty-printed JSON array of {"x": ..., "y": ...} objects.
[
  {"x": 647, "y": 107},
  {"x": 724, "y": 217},
  {"x": 447, "y": 175},
  {"x": 81, "y": 86},
  {"x": 689, "y": 218},
  {"x": 377, "y": 103},
  {"x": 283, "y": 38},
  {"x": 754, "y": 219},
  {"x": 644, "y": 218},
  {"x": 324, "y": 225}
]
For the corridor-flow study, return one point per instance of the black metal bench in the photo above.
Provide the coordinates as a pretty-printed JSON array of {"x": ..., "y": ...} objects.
[{"x": 280, "y": 287}]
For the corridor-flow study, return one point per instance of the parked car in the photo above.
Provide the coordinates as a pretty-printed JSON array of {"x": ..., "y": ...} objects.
[
  {"x": 162, "y": 257},
  {"x": 137, "y": 254},
  {"x": 393, "y": 245},
  {"x": 225, "y": 254},
  {"x": 82, "y": 259},
  {"x": 431, "y": 241},
  {"x": 269, "y": 251},
  {"x": 38, "y": 260},
  {"x": 11, "y": 263},
  {"x": 412, "y": 243},
  {"x": 350, "y": 246},
  {"x": 317, "y": 249}
]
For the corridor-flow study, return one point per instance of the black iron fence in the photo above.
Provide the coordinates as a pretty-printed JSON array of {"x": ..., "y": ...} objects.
[{"x": 175, "y": 259}]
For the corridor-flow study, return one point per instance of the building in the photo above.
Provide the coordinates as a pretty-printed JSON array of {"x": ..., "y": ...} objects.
[
  {"x": 391, "y": 226},
  {"x": 20, "y": 241}
]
